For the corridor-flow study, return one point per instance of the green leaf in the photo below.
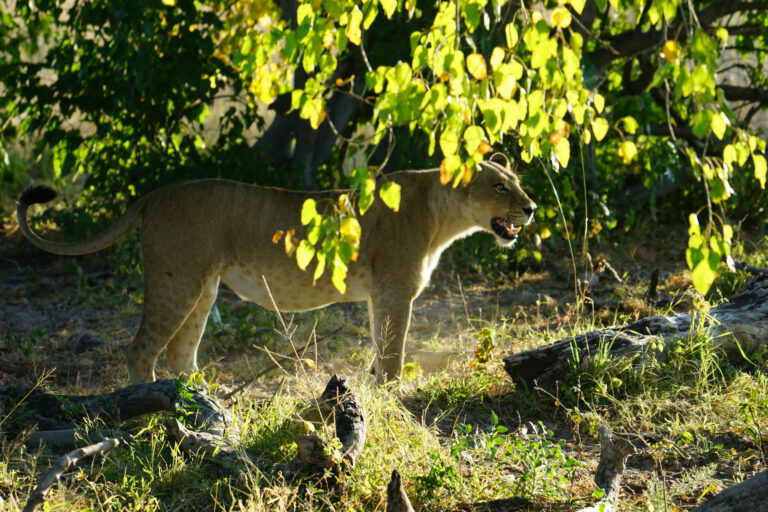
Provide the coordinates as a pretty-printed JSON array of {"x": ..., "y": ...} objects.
[
  {"x": 599, "y": 102},
  {"x": 578, "y": 5},
  {"x": 308, "y": 211},
  {"x": 719, "y": 124},
  {"x": 304, "y": 254},
  {"x": 245, "y": 49},
  {"x": 630, "y": 124},
  {"x": 510, "y": 32},
  {"x": 367, "y": 187},
  {"x": 339, "y": 275},
  {"x": 627, "y": 151},
  {"x": 729, "y": 155},
  {"x": 390, "y": 194},
  {"x": 701, "y": 123},
  {"x": 320, "y": 268},
  {"x": 760, "y": 169},
  {"x": 389, "y": 7},
  {"x": 563, "y": 151},
  {"x": 599, "y": 128},
  {"x": 704, "y": 273},
  {"x": 449, "y": 142},
  {"x": 473, "y": 137}
]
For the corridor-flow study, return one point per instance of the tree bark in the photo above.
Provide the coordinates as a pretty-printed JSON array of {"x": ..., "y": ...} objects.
[
  {"x": 397, "y": 499},
  {"x": 315, "y": 456},
  {"x": 738, "y": 325},
  {"x": 61, "y": 465},
  {"x": 750, "y": 495},
  {"x": 62, "y": 412},
  {"x": 613, "y": 460}
]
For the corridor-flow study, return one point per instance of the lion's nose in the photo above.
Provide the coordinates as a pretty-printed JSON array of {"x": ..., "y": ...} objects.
[{"x": 529, "y": 209}]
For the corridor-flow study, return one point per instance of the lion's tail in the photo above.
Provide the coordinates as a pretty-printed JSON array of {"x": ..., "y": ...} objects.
[{"x": 43, "y": 194}]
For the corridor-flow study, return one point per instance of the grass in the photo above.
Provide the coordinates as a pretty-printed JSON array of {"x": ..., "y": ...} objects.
[{"x": 466, "y": 434}]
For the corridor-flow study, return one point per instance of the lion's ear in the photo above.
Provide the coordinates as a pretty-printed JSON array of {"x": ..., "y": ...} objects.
[{"x": 500, "y": 159}]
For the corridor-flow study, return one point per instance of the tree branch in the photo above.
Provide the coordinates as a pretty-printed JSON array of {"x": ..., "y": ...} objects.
[
  {"x": 636, "y": 41},
  {"x": 61, "y": 465}
]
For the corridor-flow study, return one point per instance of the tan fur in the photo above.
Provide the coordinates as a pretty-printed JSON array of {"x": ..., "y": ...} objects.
[{"x": 196, "y": 234}]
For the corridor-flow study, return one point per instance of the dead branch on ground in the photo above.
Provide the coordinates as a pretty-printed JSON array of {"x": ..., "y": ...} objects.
[
  {"x": 61, "y": 465},
  {"x": 738, "y": 325},
  {"x": 614, "y": 452}
]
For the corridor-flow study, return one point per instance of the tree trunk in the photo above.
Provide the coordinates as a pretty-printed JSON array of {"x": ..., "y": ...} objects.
[{"x": 741, "y": 324}]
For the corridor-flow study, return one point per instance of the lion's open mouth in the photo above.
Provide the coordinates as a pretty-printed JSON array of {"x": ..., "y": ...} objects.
[{"x": 504, "y": 229}]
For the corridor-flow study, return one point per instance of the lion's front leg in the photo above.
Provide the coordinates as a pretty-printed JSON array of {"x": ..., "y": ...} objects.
[{"x": 390, "y": 320}]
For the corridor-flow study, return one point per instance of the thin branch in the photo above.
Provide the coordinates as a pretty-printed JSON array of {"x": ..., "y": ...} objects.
[
  {"x": 274, "y": 365},
  {"x": 65, "y": 462}
]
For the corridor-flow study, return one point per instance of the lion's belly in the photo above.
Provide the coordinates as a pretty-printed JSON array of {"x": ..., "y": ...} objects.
[{"x": 293, "y": 290}]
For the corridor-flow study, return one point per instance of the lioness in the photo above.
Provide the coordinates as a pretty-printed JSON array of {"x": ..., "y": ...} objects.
[{"x": 197, "y": 233}]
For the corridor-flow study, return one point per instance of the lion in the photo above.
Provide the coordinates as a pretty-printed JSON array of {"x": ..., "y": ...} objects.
[{"x": 197, "y": 234}]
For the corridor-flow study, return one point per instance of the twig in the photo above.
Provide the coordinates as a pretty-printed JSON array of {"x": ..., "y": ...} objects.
[
  {"x": 61, "y": 465},
  {"x": 651, "y": 294},
  {"x": 746, "y": 267},
  {"x": 274, "y": 365}
]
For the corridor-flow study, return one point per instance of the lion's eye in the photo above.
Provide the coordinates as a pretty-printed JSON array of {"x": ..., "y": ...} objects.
[{"x": 501, "y": 188}]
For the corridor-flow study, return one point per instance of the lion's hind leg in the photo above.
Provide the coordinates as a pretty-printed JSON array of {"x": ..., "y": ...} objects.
[
  {"x": 182, "y": 349},
  {"x": 169, "y": 300}
]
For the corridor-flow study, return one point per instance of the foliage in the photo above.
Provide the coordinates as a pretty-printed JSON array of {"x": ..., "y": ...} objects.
[
  {"x": 482, "y": 73},
  {"x": 119, "y": 92},
  {"x": 596, "y": 97}
]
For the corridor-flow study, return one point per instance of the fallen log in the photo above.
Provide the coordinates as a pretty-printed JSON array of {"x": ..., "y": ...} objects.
[
  {"x": 738, "y": 325},
  {"x": 748, "y": 496},
  {"x": 63, "y": 412}
]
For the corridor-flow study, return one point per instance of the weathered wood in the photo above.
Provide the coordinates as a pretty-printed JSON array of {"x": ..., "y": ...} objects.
[
  {"x": 61, "y": 412},
  {"x": 348, "y": 416},
  {"x": 61, "y": 465},
  {"x": 314, "y": 456},
  {"x": 751, "y": 495},
  {"x": 613, "y": 459},
  {"x": 739, "y": 324},
  {"x": 397, "y": 499}
]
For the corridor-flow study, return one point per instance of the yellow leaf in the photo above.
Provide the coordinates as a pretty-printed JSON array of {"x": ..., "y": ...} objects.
[
  {"x": 599, "y": 128},
  {"x": 278, "y": 236},
  {"x": 476, "y": 66},
  {"x": 497, "y": 56},
  {"x": 466, "y": 177},
  {"x": 304, "y": 254},
  {"x": 719, "y": 123},
  {"x": 484, "y": 148},
  {"x": 545, "y": 233},
  {"x": 290, "y": 244},
  {"x": 586, "y": 136},
  {"x": 535, "y": 17},
  {"x": 328, "y": 39},
  {"x": 599, "y": 102},
  {"x": 561, "y": 17},
  {"x": 169, "y": 3},
  {"x": 671, "y": 51},
  {"x": 350, "y": 230},
  {"x": 507, "y": 87},
  {"x": 308, "y": 362},
  {"x": 445, "y": 175},
  {"x": 627, "y": 151},
  {"x": 353, "y": 31}
]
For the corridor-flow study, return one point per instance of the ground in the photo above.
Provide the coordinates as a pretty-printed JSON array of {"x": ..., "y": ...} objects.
[{"x": 76, "y": 316}]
